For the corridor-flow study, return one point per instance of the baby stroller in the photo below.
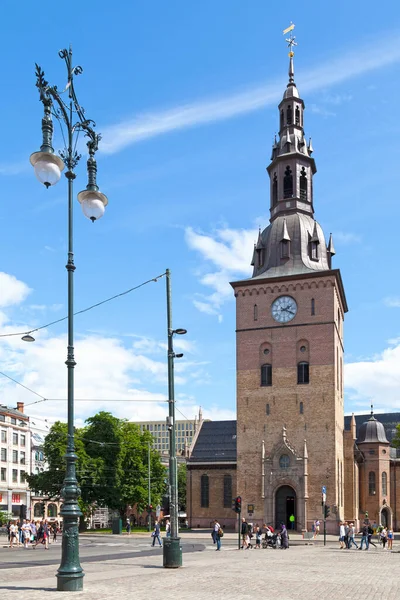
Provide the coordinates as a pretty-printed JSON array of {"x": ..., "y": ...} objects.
[{"x": 271, "y": 539}]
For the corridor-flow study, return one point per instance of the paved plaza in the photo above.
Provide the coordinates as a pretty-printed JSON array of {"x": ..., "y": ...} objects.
[{"x": 301, "y": 572}]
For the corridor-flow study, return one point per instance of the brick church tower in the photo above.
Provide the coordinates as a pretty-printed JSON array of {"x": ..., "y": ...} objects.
[{"x": 289, "y": 318}]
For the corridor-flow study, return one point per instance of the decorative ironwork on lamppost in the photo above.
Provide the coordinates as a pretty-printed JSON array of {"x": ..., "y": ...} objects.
[
  {"x": 172, "y": 551},
  {"x": 65, "y": 107}
]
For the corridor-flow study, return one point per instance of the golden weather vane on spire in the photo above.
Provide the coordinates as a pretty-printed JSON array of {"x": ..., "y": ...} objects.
[{"x": 291, "y": 39}]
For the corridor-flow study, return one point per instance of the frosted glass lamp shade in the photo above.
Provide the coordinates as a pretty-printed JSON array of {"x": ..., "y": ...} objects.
[
  {"x": 47, "y": 167},
  {"x": 93, "y": 204}
]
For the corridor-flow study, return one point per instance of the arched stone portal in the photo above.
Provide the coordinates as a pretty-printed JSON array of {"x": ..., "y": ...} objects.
[
  {"x": 285, "y": 506},
  {"x": 386, "y": 517}
]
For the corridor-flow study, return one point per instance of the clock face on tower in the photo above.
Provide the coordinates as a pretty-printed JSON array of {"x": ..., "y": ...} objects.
[{"x": 284, "y": 309}]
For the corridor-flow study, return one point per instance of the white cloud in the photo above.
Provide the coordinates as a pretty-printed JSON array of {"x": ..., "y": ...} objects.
[
  {"x": 229, "y": 251},
  {"x": 376, "y": 380},
  {"x": 392, "y": 302},
  {"x": 375, "y": 55},
  {"x": 12, "y": 291},
  {"x": 320, "y": 110},
  {"x": 344, "y": 237}
]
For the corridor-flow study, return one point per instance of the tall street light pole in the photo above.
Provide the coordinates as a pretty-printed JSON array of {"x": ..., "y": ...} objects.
[
  {"x": 172, "y": 550},
  {"x": 65, "y": 108}
]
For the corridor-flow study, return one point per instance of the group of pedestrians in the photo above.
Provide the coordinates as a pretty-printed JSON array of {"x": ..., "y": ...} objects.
[
  {"x": 347, "y": 532},
  {"x": 156, "y": 533},
  {"x": 31, "y": 533}
]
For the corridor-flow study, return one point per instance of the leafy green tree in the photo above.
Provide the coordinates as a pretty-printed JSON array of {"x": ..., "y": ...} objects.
[{"x": 396, "y": 438}]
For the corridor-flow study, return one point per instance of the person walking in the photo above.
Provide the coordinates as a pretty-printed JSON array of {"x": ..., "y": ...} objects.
[
  {"x": 13, "y": 534},
  {"x": 370, "y": 533},
  {"x": 156, "y": 534},
  {"x": 54, "y": 529},
  {"x": 352, "y": 532},
  {"x": 284, "y": 537},
  {"x": 258, "y": 537},
  {"x": 128, "y": 526},
  {"x": 390, "y": 539},
  {"x": 46, "y": 534},
  {"x": 342, "y": 534},
  {"x": 244, "y": 532},
  {"x": 26, "y": 533},
  {"x": 217, "y": 531},
  {"x": 364, "y": 537},
  {"x": 168, "y": 528},
  {"x": 316, "y": 528},
  {"x": 33, "y": 534},
  {"x": 383, "y": 535}
]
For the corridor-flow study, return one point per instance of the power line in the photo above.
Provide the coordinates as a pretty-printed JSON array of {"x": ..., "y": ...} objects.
[
  {"x": 43, "y": 399},
  {"x": 79, "y": 312}
]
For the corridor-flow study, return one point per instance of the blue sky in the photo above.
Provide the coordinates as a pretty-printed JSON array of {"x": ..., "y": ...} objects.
[{"x": 185, "y": 95}]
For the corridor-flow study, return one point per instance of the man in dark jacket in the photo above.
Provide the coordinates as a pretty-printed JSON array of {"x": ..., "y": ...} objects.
[
  {"x": 364, "y": 537},
  {"x": 244, "y": 531}
]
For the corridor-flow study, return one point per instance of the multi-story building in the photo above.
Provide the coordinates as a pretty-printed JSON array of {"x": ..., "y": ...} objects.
[
  {"x": 15, "y": 460},
  {"x": 185, "y": 432}
]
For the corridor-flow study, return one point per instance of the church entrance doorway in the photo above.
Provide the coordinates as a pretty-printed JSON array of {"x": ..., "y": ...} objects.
[
  {"x": 385, "y": 517},
  {"x": 285, "y": 507}
]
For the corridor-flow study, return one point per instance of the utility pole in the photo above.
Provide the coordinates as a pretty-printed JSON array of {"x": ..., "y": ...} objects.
[{"x": 149, "y": 482}]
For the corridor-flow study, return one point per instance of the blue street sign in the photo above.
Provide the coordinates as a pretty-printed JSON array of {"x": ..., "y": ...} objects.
[{"x": 324, "y": 489}]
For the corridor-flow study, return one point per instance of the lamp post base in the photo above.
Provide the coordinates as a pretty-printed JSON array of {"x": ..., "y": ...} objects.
[
  {"x": 70, "y": 582},
  {"x": 172, "y": 553}
]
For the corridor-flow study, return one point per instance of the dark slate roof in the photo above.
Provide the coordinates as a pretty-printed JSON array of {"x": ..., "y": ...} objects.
[
  {"x": 216, "y": 442},
  {"x": 388, "y": 420},
  {"x": 372, "y": 431},
  {"x": 4, "y": 410}
]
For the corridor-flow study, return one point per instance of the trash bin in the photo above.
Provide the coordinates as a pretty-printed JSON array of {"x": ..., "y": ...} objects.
[
  {"x": 117, "y": 525},
  {"x": 172, "y": 553}
]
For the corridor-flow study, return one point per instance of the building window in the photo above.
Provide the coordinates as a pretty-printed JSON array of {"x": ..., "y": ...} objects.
[
  {"x": 312, "y": 306},
  {"x": 227, "y": 491},
  {"x": 288, "y": 183},
  {"x": 52, "y": 510},
  {"x": 4, "y": 454},
  {"x": 266, "y": 374},
  {"x": 3, "y": 474},
  {"x": 289, "y": 115},
  {"x": 15, "y": 439},
  {"x": 267, "y": 409},
  {"x": 205, "y": 496},
  {"x": 285, "y": 249},
  {"x": 22, "y": 458},
  {"x": 22, "y": 476},
  {"x": 282, "y": 119},
  {"x": 314, "y": 250},
  {"x": 301, "y": 408},
  {"x": 3, "y": 437},
  {"x": 38, "y": 510},
  {"x": 255, "y": 313},
  {"x": 22, "y": 440},
  {"x": 15, "y": 456},
  {"x": 275, "y": 190},
  {"x": 16, "y": 498},
  {"x": 297, "y": 117},
  {"x": 303, "y": 185},
  {"x": 2, "y": 418},
  {"x": 303, "y": 372},
  {"x": 284, "y": 462},
  {"x": 15, "y": 476},
  {"x": 371, "y": 483},
  {"x": 384, "y": 484},
  {"x": 13, "y": 420}
]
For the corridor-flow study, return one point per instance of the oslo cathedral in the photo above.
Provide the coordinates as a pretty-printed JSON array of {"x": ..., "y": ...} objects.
[{"x": 290, "y": 438}]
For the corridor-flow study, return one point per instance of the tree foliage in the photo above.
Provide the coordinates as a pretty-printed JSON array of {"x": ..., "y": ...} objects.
[
  {"x": 182, "y": 471},
  {"x": 112, "y": 464}
]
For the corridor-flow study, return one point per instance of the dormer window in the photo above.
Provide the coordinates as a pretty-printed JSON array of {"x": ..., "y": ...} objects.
[
  {"x": 288, "y": 183},
  {"x": 303, "y": 185},
  {"x": 314, "y": 250},
  {"x": 285, "y": 249}
]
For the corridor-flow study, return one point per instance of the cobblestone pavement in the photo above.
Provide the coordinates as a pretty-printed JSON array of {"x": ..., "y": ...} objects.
[{"x": 301, "y": 572}]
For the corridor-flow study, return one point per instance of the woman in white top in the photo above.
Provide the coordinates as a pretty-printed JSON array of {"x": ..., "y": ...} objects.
[
  {"x": 342, "y": 535},
  {"x": 13, "y": 534},
  {"x": 26, "y": 532}
]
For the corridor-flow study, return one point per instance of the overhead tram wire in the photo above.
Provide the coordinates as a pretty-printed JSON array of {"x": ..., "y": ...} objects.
[{"x": 79, "y": 312}]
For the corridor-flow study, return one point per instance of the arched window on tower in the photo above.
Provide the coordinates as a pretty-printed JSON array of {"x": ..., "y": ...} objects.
[
  {"x": 303, "y": 372},
  {"x": 371, "y": 483},
  {"x": 282, "y": 119},
  {"x": 303, "y": 185},
  {"x": 289, "y": 115},
  {"x": 275, "y": 190},
  {"x": 255, "y": 314},
  {"x": 384, "y": 484},
  {"x": 266, "y": 374},
  {"x": 314, "y": 250},
  {"x": 285, "y": 249},
  {"x": 204, "y": 491},
  {"x": 297, "y": 116},
  {"x": 312, "y": 306},
  {"x": 288, "y": 183}
]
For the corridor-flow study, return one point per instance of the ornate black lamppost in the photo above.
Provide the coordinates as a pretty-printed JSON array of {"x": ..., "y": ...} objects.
[
  {"x": 64, "y": 106},
  {"x": 172, "y": 557}
]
